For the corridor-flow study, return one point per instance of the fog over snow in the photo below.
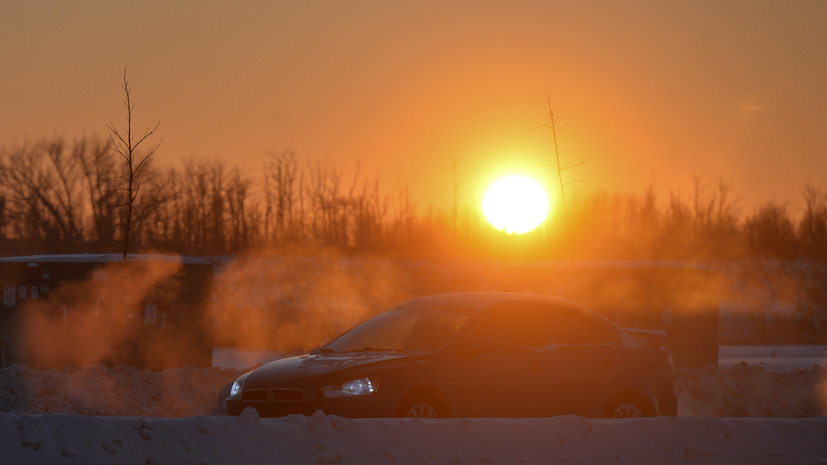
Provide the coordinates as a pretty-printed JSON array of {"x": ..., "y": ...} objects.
[{"x": 764, "y": 405}]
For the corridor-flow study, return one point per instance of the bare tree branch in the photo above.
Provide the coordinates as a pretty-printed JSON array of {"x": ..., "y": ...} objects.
[
  {"x": 559, "y": 168},
  {"x": 134, "y": 166}
]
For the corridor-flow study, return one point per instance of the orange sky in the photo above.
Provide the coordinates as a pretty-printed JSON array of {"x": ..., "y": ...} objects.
[{"x": 707, "y": 88}]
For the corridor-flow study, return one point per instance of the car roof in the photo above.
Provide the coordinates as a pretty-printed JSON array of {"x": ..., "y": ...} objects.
[{"x": 480, "y": 300}]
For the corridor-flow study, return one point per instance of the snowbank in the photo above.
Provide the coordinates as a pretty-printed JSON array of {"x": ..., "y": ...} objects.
[
  {"x": 748, "y": 391},
  {"x": 122, "y": 390},
  {"x": 44, "y": 439},
  {"x": 774, "y": 358},
  {"x": 115, "y": 415}
]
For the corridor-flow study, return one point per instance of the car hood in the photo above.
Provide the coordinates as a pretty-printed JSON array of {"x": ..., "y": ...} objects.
[{"x": 303, "y": 368}]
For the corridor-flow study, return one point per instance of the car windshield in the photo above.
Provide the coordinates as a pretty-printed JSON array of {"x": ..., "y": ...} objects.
[{"x": 403, "y": 330}]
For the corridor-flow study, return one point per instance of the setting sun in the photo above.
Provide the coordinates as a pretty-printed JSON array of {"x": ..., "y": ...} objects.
[{"x": 516, "y": 204}]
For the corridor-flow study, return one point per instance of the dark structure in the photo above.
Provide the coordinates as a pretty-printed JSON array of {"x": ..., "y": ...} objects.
[
  {"x": 150, "y": 311},
  {"x": 676, "y": 298}
]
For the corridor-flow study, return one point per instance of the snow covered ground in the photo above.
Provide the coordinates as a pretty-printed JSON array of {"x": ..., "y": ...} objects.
[
  {"x": 764, "y": 405},
  {"x": 43, "y": 439},
  {"x": 774, "y": 358}
]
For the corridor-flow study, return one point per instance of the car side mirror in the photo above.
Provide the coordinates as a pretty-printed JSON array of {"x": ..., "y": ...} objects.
[{"x": 477, "y": 345}]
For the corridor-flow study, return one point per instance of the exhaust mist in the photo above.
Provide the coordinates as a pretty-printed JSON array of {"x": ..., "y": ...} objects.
[{"x": 289, "y": 303}]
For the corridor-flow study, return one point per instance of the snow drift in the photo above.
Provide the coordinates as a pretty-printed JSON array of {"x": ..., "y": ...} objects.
[
  {"x": 124, "y": 415},
  {"x": 319, "y": 439}
]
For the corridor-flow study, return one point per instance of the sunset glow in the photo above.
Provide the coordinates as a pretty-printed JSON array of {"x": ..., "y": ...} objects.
[
  {"x": 515, "y": 204},
  {"x": 473, "y": 89}
]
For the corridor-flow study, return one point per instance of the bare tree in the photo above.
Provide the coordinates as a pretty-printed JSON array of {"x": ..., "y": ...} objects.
[
  {"x": 715, "y": 224},
  {"x": 812, "y": 228},
  {"x": 195, "y": 205},
  {"x": 770, "y": 232},
  {"x": 4, "y": 220},
  {"x": 217, "y": 188},
  {"x": 98, "y": 168},
  {"x": 280, "y": 191},
  {"x": 454, "y": 195},
  {"x": 327, "y": 205},
  {"x": 559, "y": 168},
  {"x": 135, "y": 164},
  {"x": 237, "y": 200},
  {"x": 40, "y": 182}
]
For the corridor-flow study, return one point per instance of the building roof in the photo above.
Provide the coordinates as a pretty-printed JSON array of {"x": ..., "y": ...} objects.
[{"x": 103, "y": 258}]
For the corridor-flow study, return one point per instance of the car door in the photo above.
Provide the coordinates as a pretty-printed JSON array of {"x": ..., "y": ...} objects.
[
  {"x": 503, "y": 370},
  {"x": 581, "y": 364}
]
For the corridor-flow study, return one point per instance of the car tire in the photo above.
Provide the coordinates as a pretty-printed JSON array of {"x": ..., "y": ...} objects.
[
  {"x": 422, "y": 407},
  {"x": 626, "y": 407}
]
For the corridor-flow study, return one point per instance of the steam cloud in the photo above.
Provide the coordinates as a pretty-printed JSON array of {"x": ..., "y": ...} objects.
[
  {"x": 291, "y": 302},
  {"x": 94, "y": 321}
]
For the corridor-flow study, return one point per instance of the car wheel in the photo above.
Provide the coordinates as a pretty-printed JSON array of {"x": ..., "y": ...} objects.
[
  {"x": 421, "y": 408},
  {"x": 626, "y": 407}
]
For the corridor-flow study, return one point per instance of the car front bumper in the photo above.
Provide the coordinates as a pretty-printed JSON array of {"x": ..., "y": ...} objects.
[{"x": 378, "y": 405}]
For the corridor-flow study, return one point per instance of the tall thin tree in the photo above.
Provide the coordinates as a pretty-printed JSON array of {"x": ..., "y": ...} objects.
[
  {"x": 135, "y": 163},
  {"x": 559, "y": 168}
]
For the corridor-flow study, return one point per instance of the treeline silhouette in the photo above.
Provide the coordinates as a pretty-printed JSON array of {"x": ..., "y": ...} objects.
[{"x": 56, "y": 196}]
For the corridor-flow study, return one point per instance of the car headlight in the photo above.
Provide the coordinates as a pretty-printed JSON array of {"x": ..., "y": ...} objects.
[
  {"x": 238, "y": 386},
  {"x": 357, "y": 387}
]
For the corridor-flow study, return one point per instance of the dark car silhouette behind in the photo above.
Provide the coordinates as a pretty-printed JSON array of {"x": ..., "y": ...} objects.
[{"x": 470, "y": 355}]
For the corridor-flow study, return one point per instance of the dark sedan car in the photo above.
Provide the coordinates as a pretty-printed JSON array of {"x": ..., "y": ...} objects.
[{"x": 470, "y": 355}]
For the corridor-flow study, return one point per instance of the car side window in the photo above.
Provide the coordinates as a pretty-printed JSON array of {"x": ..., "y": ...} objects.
[
  {"x": 515, "y": 328},
  {"x": 434, "y": 329},
  {"x": 572, "y": 327}
]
